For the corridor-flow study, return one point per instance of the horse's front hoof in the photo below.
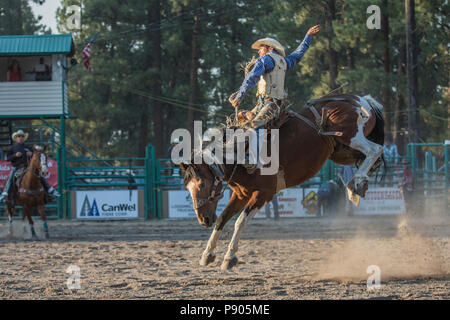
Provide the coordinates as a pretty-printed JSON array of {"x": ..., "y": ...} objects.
[
  {"x": 229, "y": 263},
  {"x": 205, "y": 260}
]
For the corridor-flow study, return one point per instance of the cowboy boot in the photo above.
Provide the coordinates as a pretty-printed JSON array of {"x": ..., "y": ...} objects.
[
  {"x": 7, "y": 186},
  {"x": 49, "y": 189}
]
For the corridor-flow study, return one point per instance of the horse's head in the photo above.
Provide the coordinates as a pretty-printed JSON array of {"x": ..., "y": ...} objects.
[
  {"x": 205, "y": 187},
  {"x": 39, "y": 160}
]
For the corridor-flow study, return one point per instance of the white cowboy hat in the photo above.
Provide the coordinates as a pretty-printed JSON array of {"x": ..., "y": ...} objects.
[
  {"x": 271, "y": 43},
  {"x": 20, "y": 133}
]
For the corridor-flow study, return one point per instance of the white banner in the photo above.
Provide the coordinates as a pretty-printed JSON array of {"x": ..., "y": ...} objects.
[
  {"x": 180, "y": 204},
  {"x": 381, "y": 201},
  {"x": 295, "y": 202},
  {"x": 107, "y": 204}
]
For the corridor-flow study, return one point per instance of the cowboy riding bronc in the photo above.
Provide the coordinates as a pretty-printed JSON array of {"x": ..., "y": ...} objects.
[
  {"x": 18, "y": 155},
  {"x": 269, "y": 72}
]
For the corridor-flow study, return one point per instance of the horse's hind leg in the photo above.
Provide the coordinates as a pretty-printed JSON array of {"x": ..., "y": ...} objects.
[
  {"x": 10, "y": 211},
  {"x": 372, "y": 151},
  {"x": 41, "y": 210}
]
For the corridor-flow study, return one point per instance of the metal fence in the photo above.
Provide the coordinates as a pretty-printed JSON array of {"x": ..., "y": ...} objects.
[{"x": 429, "y": 163}]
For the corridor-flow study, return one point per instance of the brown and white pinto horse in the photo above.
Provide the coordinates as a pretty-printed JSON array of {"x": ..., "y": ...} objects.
[
  {"x": 31, "y": 192},
  {"x": 302, "y": 153}
]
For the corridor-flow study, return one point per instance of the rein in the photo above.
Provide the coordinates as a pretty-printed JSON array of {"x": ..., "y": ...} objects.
[{"x": 200, "y": 202}]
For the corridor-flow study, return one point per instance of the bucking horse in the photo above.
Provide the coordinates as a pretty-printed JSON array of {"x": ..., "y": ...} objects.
[{"x": 348, "y": 129}]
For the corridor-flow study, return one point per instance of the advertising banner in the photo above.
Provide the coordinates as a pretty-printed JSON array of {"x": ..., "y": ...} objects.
[
  {"x": 52, "y": 177},
  {"x": 5, "y": 169},
  {"x": 294, "y": 202},
  {"x": 107, "y": 204},
  {"x": 291, "y": 203},
  {"x": 381, "y": 201},
  {"x": 180, "y": 204}
]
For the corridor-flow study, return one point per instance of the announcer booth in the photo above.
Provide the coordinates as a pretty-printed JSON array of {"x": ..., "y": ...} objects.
[{"x": 34, "y": 94}]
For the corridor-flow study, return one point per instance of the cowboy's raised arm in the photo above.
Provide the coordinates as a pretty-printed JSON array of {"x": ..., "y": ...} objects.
[
  {"x": 298, "y": 54},
  {"x": 263, "y": 64}
]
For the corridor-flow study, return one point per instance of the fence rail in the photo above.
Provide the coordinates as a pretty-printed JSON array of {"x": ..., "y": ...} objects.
[{"x": 429, "y": 163}]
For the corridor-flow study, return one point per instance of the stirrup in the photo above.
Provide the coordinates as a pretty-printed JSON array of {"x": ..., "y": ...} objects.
[
  {"x": 251, "y": 168},
  {"x": 54, "y": 194},
  {"x": 3, "y": 195}
]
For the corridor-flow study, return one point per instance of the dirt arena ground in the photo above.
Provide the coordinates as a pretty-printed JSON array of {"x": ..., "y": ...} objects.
[{"x": 307, "y": 258}]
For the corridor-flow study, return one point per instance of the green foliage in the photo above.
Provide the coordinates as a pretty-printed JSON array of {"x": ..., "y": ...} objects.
[
  {"x": 17, "y": 18},
  {"x": 109, "y": 102}
]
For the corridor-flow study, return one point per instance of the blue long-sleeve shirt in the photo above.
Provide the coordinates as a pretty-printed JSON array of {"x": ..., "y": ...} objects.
[{"x": 265, "y": 64}]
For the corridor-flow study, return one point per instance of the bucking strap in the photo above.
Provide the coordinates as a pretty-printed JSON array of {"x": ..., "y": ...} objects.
[{"x": 316, "y": 127}]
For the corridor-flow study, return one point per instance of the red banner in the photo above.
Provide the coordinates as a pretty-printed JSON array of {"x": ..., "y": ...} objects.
[
  {"x": 52, "y": 177},
  {"x": 5, "y": 169}
]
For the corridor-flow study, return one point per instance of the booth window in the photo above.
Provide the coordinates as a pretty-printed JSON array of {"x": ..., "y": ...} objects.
[{"x": 30, "y": 68}]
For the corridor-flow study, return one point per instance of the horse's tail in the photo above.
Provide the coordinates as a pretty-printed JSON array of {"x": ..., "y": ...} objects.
[{"x": 377, "y": 134}]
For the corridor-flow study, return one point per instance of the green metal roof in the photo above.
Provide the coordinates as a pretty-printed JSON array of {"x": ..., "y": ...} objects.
[{"x": 36, "y": 44}]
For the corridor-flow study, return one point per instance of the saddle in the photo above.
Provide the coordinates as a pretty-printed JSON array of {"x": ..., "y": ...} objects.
[
  {"x": 15, "y": 186},
  {"x": 18, "y": 176}
]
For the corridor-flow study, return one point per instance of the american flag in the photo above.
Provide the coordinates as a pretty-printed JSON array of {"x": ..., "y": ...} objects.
[{"x": 87, "y": 53}]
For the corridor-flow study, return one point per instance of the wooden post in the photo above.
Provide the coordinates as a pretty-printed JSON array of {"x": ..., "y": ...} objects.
[{"x": 195, "y": 65}]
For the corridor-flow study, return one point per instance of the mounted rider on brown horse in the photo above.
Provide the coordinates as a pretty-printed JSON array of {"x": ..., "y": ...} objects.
[
  {"x": 347, "y": 129},
  {"x": 26, "y": 185}
]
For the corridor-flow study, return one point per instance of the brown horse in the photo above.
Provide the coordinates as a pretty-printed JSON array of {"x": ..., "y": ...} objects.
[
  {"x": 31, "y": 192},
  {"x": 303, "y": 149}
]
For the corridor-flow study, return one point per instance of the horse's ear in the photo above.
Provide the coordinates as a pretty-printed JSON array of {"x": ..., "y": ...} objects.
[
  {"x": 183, "y": 166},
  {"x": 45, "y": 148}
]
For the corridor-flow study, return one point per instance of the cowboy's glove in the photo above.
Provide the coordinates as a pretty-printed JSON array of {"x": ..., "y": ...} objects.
[{"x": 236, "y": 102}]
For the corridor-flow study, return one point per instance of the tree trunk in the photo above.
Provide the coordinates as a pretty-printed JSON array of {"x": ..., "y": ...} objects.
[
  {"x": 411, "y": 71},
  {"x": 399, "y": 116},
  {"x": 332, "y": 54},
  {"x": 195, "y": 64},
  {"x": 19, "y": 17},
  {"x": 158, "y": 112},
  {"x": 387, "y": 69},
  {"x": 154, "y": 39}
]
